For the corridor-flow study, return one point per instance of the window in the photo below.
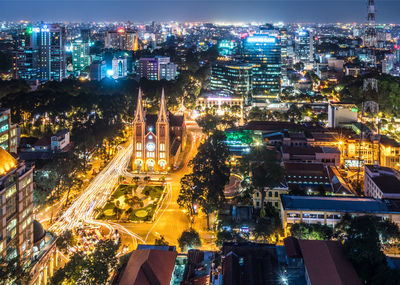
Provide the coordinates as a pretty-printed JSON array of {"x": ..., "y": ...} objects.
[
  {"x": 270, "y": 194},
  {"x": 138, "y": 146},
  {"x": 11, "y": 191},
  {"x": 150, "y": 154},
  {"x": 162, "y": 147},
  {"x": 162, "y": 154},
  {"x": 276, "y": 193}
]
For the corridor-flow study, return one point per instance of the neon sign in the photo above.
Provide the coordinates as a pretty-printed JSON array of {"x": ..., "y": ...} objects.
[{"x": 261, "y": 40}]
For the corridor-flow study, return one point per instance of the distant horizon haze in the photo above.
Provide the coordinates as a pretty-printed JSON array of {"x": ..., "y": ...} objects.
[{"x": 287, "y": 11}]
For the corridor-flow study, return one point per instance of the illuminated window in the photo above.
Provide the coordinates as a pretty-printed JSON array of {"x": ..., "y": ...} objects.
[
  {"x": 150, "y": 154},
  {"x": 162, "y": 154},
  {"x": 138, "y": 154},
  {"x": 138, "y": 146},
  {"x": 162, "y": 147}
]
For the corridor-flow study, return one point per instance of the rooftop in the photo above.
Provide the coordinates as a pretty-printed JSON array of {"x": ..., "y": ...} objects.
[
  {"x": 387, "y": 183},
  {"x": 149, "y": 266},
  {"x": 327, "y": 264},
  {"x": 7, "y": 162},
  {"x": 334, "y": 204},
  {"x": 303, "y": 168},
  {"x": 298, "y": 150}
]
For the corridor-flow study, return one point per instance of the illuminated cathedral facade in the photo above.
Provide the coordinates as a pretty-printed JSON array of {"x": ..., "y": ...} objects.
[{"x": 153, "y": 137}]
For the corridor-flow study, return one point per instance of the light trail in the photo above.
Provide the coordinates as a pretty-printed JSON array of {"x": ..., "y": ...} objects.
[{"x": 82, "y": 209}]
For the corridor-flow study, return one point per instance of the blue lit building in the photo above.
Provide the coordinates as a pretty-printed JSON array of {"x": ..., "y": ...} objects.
[
  {"x": 49, "y": 41},
  {"x": 232, "y": 78},
  {"x": 25, "y": 64},
  {"x": 80, "y": 55},
  {"x": 98, "y": 70},
  {"x": 227, "y": 47},
  {"x": 304, "y": 46},
  {"x": 263, "y": 51}
]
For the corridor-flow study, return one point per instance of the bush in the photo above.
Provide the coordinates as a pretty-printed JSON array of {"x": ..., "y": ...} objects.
[
  {"x": 311, "y": 231},
  {"x": 189, "y": 239}
]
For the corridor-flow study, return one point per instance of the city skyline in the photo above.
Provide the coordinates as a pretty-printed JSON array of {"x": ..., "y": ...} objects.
[{"x": 213, "y": 11}]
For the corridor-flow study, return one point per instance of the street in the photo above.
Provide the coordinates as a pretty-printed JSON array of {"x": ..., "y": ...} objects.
[{"x": 169, "y": 221}]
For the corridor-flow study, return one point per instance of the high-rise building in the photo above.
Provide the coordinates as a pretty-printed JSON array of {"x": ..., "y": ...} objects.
[
  {"x": 21, "y": 236},
  {"x": 119, "y": 67},
  {"x": 8, "y": 132},
  {"x": 227, "y": 47},
  {"x": 80, "y": 55},
  {"x": 25, "y": 64},
  {"x": 304, "y": 46},
  {"x": 156, "y": 68},
  {"x": 85, "y": 35},
  {"x": 49, "y": 40},
  {"x": 16, "y": 193},
  {"x": 232, "y": 78},
  {"x": 98, "y": 70},
  {"x": 168, "y": 71},
  {"x": 284, "y": 52},
  {"x": 122, "y": 39},
  {"x": 263, "y": 51}
]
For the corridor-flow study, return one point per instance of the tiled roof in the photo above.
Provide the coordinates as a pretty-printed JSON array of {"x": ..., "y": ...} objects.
[
  {"x": 327, "y": 264},
  {"x": 148, "y": 267}
]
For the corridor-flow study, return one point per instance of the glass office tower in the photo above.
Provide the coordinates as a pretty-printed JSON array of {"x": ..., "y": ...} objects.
[
  {"x": 232, "y": 78},
  {"x": 263, "y": 51}
]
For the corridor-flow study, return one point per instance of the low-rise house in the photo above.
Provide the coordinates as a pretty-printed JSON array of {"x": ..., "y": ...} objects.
[
  {"x": 328, "y": 210},
  {"x": 325, "y": 155},
  {"x": 381, "y": 182},
  {"x": 272, "y": 196},
  {"x": 60, "y": 140},
  {"x": 148, "y": 267},
  {"x": 323, "y": 262}
]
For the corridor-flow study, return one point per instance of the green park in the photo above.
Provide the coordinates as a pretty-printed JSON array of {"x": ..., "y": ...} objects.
[{"x": 132, "y": 203}]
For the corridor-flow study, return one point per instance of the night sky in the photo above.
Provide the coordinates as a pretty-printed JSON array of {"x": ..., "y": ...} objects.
[{"x": 322, "y": 11}]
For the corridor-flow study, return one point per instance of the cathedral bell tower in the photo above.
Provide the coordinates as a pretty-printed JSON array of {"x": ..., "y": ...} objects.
[
  {"x": 162, "y": 130},
  {"x": 138, "y": 135}
]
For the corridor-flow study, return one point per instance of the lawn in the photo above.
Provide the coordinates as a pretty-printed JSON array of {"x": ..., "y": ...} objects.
[
  {"x": 123, "y": 189},
  {"x": 132, "y": 207}
]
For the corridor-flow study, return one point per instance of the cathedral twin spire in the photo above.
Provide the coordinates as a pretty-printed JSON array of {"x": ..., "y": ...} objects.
[{"x": 162, "y": 113}]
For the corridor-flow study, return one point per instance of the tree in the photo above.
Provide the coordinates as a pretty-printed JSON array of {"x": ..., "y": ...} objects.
[
  {"x": 93, "y": 268},
  {"x": 299, "y": 66},
  {"x": 264, "y": 167},
  {"x": 189, "y": 239},
  {"x": 264, "y": 228},
  {"x": 208, "y": 123},
  {"x": 364, "y": 238},
  {"x": 204, "y": 187},
  {"x": 189, "y": 194},
  {"x": 66, "y": 240},
  {"x": 223, "y": 236},
  {"x": 12, "y": 272},
  {"x": 117, "y": 210},
  {"x": 321, "y": 190},
  {"x": 161, "y": 241},
  {"x": 311, "y": 231},
  {"x": 257, "y": 114},
  {"x": 294, "y": 189},
  {"x": 211, "y": 172}
]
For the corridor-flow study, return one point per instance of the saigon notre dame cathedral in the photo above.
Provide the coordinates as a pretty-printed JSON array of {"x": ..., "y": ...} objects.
[{"x": 157, "y": 139}]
